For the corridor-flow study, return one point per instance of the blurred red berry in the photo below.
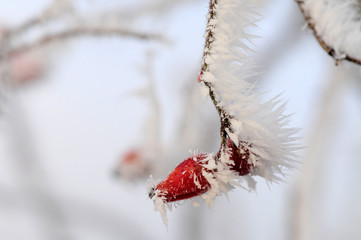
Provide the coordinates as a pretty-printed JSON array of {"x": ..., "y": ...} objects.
[
  {"x": 133, "y": 165},
  {"x": 132, "y": 157},
  {"x": 25, "y": 68}
]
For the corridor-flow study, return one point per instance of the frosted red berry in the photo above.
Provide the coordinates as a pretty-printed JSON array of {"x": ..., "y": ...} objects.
[
  {"x": 185, "y": 181},
  {"x": 240, "y": 158}
]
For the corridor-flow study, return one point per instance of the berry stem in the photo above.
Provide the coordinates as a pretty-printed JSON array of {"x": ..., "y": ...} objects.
[{"x": 210, "y": 36}]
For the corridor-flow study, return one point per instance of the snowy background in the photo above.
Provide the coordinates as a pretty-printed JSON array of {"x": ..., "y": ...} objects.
[{"x": 63, "y": 135}]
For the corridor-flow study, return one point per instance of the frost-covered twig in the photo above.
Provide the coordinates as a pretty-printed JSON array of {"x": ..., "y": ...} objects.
[
  {"x": 211, "y": 23},
  {"x": 336, "y": 26},
  {"x": 227, "y": 65},
  {"x": 256, "y": 138}
]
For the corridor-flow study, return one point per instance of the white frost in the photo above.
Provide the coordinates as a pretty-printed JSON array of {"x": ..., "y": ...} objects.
[
  {"x": 338, "y": 23},
  {"x": 160, "y": 206},
  {"x": 259, "y": 126}
]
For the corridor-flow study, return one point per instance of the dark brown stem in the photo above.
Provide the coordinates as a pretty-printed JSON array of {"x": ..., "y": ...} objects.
[
  {"x": 326, "y": 47},
  {"x": 209, "y": 32},
  {"x": 224, "y": 117}
]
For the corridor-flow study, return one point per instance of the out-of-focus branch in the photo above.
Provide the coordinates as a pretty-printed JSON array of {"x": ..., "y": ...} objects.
[
  {"x": 281, "y": 43},
  {"x": 129, "y": 15},
  {"x": 84, "y": 213},
  {"x": 309, "y": 185},
  {"x": 83, "y": 32},
  {"x": 34, "y": 184},
  {"x": 149, "y": 155},
  {"x": 330, "y": 50},
  {"x": 14, "y": 43},
  {"x": 55, "y": 10}
]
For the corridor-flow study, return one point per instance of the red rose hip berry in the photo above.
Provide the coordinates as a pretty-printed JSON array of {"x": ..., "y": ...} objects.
[{"x": 185, "y": 181}]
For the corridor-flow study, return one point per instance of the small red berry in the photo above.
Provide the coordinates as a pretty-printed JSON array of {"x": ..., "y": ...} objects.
[
  {"x": 185, "y": 181},
  {"x": 132, "y": 157},
  {"x": 240, "y": 158},
  {"x": 133, "y": 165}
]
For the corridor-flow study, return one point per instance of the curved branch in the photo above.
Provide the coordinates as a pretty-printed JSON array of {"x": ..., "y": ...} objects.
[
  {"x": 331, "y": 51},
  {"x": 82, "y": 32}
]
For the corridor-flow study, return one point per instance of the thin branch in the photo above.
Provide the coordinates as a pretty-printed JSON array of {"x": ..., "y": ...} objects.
[
  {"x": 53, "y": 11},
  {"x": 307, "y": 190},
  {"x": 27, "y": 25},
  {"x": 33, "y": 179},
  {"x": 325, "y": 47},
  {"x": 155, "y": 8},
  {"x": 83, "y": 32}
]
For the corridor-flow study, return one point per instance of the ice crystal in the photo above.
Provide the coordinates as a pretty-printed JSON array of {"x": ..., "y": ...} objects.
[{"x": 338, "y": 24}]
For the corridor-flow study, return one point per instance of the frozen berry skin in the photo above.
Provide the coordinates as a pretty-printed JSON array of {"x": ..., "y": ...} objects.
[
  {"x": 240, "y": 158},
  {"x": 185, "y": 181}
]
